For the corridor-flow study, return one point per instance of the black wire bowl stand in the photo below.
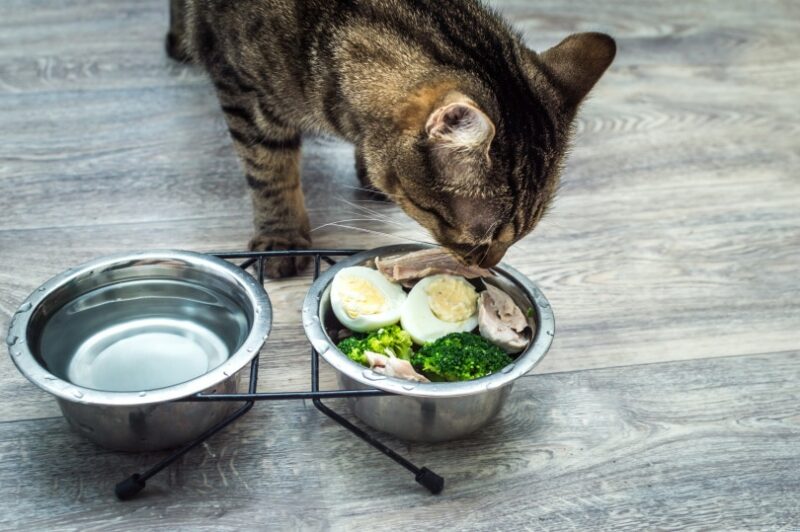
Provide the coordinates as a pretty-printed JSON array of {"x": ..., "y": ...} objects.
[{"x": 128, "y": 488}]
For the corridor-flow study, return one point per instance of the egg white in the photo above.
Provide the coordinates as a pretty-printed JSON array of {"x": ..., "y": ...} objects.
[
  {"x": 419, "y": 321},
  {"x": 393, "y": 293}
]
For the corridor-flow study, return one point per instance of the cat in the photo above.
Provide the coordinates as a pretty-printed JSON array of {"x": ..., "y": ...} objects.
[{"x": 451, "y": 115}]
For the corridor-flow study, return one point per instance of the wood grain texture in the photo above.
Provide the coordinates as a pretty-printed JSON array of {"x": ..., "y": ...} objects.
[
  {"x": 676, "y": 236},
  {"x": 695, "y": 444}
]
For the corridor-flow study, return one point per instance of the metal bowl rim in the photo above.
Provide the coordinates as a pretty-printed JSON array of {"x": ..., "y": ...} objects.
[
  {"x": 524, "y": 363},
  {"x": 28, "y": 365}
]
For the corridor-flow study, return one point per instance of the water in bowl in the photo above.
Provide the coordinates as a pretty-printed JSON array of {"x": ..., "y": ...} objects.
[{"x": 142, "y": 335}]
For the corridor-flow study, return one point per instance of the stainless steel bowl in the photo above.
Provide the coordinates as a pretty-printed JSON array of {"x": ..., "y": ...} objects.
[
  {"x": 117, "y": 340},
  {"x": 430, "y": 411}
]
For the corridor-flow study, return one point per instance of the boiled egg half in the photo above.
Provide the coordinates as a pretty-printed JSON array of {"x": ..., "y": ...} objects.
[
  {"x": 439, "y": 305},
  {"x": 364, "y": 300}
]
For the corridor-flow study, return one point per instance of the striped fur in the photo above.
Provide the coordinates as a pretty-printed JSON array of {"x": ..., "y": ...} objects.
[{"x": 379, "y": 73}]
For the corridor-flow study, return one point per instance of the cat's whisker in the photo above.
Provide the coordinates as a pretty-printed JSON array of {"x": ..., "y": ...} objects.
[
  {"x": 386, "y": 219},
  {"x": 485, "y": 254},
  {"x": 371, "y": 231},
  {"x": 396, "y": 223},
  {"x": 374, "y": 217},
  {"x": 373, "y": 212},
  {"x": 408, "y": 225},
  {"x": 363, "y": 189},
  {"x": 348, "y": 220},
  {"x": 391, "y": 222},
  {"x": 487, "y": 233},
  {"x": 365, "y": 209}
]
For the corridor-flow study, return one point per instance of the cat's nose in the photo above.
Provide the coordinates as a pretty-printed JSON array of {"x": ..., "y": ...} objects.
[
  {"x": 493, "y": 256},
  {"x": 486, "y": 255}
]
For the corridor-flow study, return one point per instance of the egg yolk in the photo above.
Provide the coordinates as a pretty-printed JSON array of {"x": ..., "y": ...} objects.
[
  {"x": 452, "y": 299},
  {"x": 361, "y": 298}
]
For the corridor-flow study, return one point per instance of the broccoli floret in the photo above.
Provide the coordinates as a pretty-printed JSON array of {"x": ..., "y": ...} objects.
[
  {"x": 353, "y": 347},
  {"x": 459, "y": 357},
  {"x": 387, "y": 340}
]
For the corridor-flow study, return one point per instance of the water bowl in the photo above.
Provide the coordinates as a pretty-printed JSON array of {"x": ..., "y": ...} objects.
[{"x": 119, "y": 339}]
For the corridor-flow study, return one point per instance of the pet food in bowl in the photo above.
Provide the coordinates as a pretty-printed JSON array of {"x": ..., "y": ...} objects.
[{"x": 449, "y": 350}]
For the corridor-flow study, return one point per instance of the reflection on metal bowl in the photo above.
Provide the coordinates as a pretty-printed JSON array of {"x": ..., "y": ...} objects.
[{"x": 118, "y": 339}]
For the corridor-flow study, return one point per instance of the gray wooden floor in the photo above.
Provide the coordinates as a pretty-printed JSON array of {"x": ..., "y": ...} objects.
[{"x": 671, "y": 396}]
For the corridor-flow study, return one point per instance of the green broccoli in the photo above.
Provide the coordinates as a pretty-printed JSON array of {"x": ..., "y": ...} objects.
[
  {"x": 459, "y": 357},
  {"x": 387, "y": 339}
]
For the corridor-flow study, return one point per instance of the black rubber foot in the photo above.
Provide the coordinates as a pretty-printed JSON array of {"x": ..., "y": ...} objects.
[
  {"x": 430, "y": 480},
  {"x": 128, "y": 488}
]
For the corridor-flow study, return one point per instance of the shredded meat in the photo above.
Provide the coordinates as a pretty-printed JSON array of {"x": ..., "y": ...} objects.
[
  {"x": 501, "y": 321},
  {"x": 410, "y": 267},
  {"x": 344, "y": 333},
  {"x": 393, "y": 367}
]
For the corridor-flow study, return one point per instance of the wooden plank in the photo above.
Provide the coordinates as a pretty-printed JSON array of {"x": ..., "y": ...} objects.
[
  {"x": 50, "y": 46},
  {"x": 696, "y": 444}
]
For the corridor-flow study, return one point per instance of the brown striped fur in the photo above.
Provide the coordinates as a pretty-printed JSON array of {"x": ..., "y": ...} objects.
[{"x": 451, "y": 115}]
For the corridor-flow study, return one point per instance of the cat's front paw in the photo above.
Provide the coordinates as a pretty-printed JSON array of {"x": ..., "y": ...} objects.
[{"x": 278, "y": 267}]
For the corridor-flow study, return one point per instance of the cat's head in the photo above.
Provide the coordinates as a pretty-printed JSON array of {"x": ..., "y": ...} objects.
[{"x": 479, "y": 159}]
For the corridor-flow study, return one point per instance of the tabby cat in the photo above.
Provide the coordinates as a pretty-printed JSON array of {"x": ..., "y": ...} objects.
[{"x": 451, "y": 115}]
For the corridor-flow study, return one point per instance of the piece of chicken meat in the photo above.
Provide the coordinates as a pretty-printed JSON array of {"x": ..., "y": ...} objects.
[
  {"x": 501, "y": 321},
  {"x": 393, "y": 367},
  {"x": 410, "y": 267}
]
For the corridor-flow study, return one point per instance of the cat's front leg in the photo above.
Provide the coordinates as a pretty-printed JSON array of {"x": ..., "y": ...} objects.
[
  {"x": 175, "y": 45},
  {"x": 279, "y": 212},
  {"x": 367, "y": 189},
  {"x": 270, "y": 155}
]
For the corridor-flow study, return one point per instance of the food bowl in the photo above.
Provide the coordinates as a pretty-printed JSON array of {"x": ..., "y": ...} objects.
[
  {"x": 117, "y": 340},
  {"x": 427, "y": 411}
]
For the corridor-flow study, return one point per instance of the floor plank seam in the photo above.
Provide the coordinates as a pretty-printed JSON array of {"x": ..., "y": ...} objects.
[
  {"x": 203, "y": 83},
  {"x": 140, "y": 222},
  {"x": 665, "y": 362},
  {"x": 26, "y": 420}
]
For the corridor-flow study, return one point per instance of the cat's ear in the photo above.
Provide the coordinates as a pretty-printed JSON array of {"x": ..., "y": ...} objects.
[
  {"x": 577, "y": 63},
  {"x": 460, "y": 135},
  {"x": 461, "y": 127}
]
